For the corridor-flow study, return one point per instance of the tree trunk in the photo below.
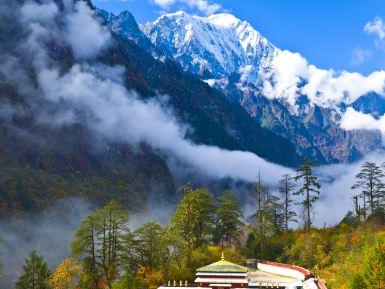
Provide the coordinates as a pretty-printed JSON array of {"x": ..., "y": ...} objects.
[{"x": 308, "y": 210}]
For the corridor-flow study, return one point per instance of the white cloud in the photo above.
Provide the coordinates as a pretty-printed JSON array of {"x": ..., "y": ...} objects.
[
  {"x": 247, "y": 73},
  {"x": 207, "y": 7},
  {"x": 353, "y": 120},
  {"x": 84, "y": 33},
  {"x": 164, "y": 3},
  {"x": 376, "y": 27},
  {"x": 335, "y": 198},
  {"x": 287, "y": 70},
  {"x": 116, "y": 114},
  {"x": 359, "y": 56},
  {"x": 291, "y": 75},
  {"x": 34, "y": 12},
  {"x": 96, "y": 95}
]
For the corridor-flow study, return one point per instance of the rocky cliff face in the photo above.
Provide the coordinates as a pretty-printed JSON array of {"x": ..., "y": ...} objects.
[
  {"x": 230, "y": 55},
  {"x": 211, "y": 47}
]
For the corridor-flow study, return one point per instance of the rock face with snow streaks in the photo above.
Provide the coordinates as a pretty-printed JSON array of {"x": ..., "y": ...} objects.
[{"x": 212, "y": 47}]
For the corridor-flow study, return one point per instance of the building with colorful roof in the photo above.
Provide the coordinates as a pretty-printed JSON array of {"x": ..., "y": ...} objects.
[{"x": 262, "y": 274}]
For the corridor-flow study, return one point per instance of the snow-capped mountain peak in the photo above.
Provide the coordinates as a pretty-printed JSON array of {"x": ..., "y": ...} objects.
[{"x": 213, "y": 47}]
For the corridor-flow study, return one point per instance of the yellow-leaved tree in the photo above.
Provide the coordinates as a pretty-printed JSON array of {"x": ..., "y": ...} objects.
[{"x": 66, "y": 276}]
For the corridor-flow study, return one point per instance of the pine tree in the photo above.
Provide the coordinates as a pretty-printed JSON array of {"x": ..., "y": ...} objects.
[
  {"x": 310, "y": 189},
  {"x": 369, "y": 180},
  {"x": 147, "y": 245},
  {"x": 286, "y": 186},
  {"x": 194, "y": 219},
  {"x": 357, "y": 208},
  {"x": 261, "y": 216},
  {"x": 228, "y": 219},
  {"x": 35, "y": 273},
  {"x": 1, "y": 265},
  {"x": 275, "y": 211},
  {"x": 152, "y": 247},
  {"x": 84, "y": 248},
  {"x": 184, "y": 190},
  {"x": 99, "y": 243},
  {"x": 112, "y": 227}
]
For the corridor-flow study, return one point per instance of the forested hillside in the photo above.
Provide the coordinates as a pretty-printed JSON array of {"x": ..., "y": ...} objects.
[
  {"x": 42, "y": 161},
  {"x": 105, "y": 252}
]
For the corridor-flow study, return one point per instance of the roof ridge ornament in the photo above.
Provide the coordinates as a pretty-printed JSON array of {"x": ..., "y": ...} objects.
[{"x": 223, "y": 256}]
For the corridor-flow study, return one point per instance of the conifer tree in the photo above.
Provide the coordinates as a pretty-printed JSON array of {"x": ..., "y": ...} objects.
[
  {"x": 276, "y": 215},
  {"x": 152, "y": 247},
  {"x": 261, "y": 216},
  {"x": 1, "y": 265},
  {"x": 147, "y": 245},
  {"x": 99, "y": 243},
  {"x": 112, "y": 227},
  {"x": 228, "y": 219},
  {"x": 310, "y": 189},
  {"x": 184, "y": 190},
  {"x": 286, "y": 186},
  {"x": 35, "y": 273},
  {"x": 369, "y": 180},
  {"x": 84, "y": 248},
  {"x": 194, "y": 219}
]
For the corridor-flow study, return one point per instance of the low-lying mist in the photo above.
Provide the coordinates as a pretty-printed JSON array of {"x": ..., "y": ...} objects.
[
  {"x": 94, "y": 94},
  {"x": 51, "y": 232}
]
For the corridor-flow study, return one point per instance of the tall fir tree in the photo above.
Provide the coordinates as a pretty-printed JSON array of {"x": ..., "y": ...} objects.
[
  {"x": 310, "y": 189},
  {"x": 84, "y": 248},
  {"x": 228, "y": 223},
  {"x": 194, "y": 219},
  {"x": 99, "y": 243},
  {"x": 369, "y": 180},
  {"x": 276, "y": 215},
  {"x": 152, "y": 248},
  {"x": 35, "y": 273},
  {"x": 285, "y": 188},
  {"x": 261, "y": 216}
]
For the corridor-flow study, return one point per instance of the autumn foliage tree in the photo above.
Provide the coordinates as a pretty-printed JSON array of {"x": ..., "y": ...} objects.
[{"x": 67, "y": 275}]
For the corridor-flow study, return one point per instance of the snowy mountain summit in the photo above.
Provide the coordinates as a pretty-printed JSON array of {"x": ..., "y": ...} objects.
[{"x": 212, "y": 47}]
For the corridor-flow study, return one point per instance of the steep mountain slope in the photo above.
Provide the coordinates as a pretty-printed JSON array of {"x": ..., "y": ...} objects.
[
  {"x": 41, "y": 162},
  {"x": 216, "y": 121},
  {"x": 211, "y": 47},
  {"x": 125, "y": 25},
  {"x": 231, "y": 55}
]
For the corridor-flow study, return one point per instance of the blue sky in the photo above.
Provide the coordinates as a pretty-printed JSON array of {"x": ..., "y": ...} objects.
[{"x": 329, "y": 33}]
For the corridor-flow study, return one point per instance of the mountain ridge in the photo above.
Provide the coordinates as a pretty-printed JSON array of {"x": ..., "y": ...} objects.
[
  {"x": 68, "y": 161},
  {"x": 208, "y": 46},
  {"x": 241, "y": 78}
]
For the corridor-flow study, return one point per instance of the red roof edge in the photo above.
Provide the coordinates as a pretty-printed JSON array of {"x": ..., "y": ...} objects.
[
  {"x": 321, "y": 284},
  {"x": 303, "y": 271}
]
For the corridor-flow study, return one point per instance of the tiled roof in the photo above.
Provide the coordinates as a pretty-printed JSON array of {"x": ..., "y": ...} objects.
[{"x": 223, "y": 266}]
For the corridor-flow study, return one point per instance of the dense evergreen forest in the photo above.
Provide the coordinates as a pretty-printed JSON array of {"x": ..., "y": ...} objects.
[{"x": 106, "y": 254}]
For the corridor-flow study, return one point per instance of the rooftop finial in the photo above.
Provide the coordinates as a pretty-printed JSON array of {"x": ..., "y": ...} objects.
[{"x": 223, "y": 256}]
